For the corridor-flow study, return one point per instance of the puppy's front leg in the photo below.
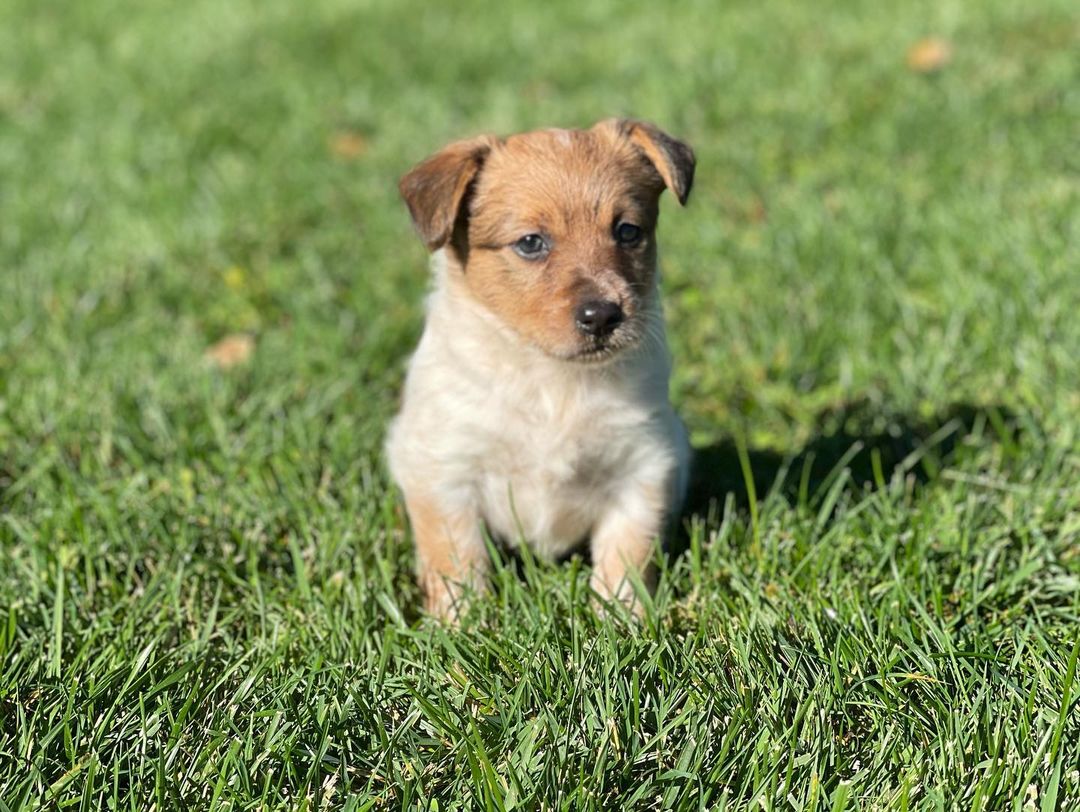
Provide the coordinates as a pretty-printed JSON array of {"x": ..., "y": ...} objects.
[
  {"x": 450, "y": 552},
  {"x": 624, "y": 540}
]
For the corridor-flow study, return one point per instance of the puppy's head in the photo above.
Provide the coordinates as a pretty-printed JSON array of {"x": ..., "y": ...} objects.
[{"x": 555, "y": 231}]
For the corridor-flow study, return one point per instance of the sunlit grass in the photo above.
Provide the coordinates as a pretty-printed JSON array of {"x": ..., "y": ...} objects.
[{"x": 206, "y": 597}]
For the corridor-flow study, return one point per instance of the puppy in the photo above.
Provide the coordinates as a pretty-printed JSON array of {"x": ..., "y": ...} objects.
[{"x": 536, "y": 405}]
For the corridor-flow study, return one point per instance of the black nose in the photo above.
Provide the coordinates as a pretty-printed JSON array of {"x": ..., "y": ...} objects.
[{"x": 598, "y": 318}]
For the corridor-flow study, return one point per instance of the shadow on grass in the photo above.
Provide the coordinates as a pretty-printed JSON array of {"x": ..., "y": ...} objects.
[
  {"x": 871, "y": 448},
  {"x": 859, "y": 443}
]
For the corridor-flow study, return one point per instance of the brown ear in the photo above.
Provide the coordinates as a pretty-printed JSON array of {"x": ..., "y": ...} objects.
[
  {"x": 673, "y": 159},
  {"x": 434, "y": 189}
]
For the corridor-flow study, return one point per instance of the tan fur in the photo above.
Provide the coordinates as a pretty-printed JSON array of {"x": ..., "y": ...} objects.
[
  {"x": 449, "y": 551},
  {"x": 514, "y": 419}
]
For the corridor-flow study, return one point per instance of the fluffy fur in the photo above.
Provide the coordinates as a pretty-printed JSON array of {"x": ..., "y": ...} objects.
[{"x": 513, "y": 419}]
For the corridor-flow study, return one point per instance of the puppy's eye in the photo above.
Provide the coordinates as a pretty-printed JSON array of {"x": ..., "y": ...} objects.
[
  {"x": 531, "y": 246},
  {"x": 627, "y": 233}
]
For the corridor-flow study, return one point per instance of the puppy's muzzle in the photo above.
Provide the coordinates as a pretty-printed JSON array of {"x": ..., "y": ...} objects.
[{"x": 598, "y": 318}]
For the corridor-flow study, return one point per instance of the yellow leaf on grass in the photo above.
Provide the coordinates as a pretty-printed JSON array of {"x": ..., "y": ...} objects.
[
  {"x": 929, "y": 55},
  {"x": 348, "y": 145},
  {"x": 235, "y": 278},
  {"x": 232, "y": 350}
]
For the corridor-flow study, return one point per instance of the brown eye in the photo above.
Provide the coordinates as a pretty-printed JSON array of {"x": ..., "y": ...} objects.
[
  {"x": 627, "y": 233},
  {"x": 531, "y": 246}
]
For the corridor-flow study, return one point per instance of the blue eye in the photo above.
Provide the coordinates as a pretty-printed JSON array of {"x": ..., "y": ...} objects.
[
  {"x": 531, "y": 246},
  {"x": 627, "y": 233}
]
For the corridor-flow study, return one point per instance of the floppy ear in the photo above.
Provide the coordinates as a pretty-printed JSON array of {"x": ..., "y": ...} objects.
[
  {"x": 673, "y": 159},
  {"x": 435, "y": 189}
]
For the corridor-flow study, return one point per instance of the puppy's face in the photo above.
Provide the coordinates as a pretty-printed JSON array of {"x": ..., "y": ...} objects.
[{"x": 555, "y": 231}]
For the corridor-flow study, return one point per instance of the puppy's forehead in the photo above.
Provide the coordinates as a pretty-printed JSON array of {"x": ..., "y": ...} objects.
[
  {"x": 566, "y": 167},
  {"x": 560, "y": 145}
]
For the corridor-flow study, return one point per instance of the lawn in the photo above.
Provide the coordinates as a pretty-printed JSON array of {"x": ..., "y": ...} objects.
[{"x": 206, "y": 594}]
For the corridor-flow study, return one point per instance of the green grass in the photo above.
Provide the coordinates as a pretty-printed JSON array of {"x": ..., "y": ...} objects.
[{"x": 206, "y": 597}]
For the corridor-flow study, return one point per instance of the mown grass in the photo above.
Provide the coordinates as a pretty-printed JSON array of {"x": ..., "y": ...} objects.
[{"x": 205, "y": 577}]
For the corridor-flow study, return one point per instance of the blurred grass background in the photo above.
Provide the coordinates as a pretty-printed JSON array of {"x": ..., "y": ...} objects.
[{"x": 206, "y": 576}]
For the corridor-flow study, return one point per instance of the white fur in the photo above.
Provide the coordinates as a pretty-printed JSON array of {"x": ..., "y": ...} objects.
[{"x": 540, "y": 449}]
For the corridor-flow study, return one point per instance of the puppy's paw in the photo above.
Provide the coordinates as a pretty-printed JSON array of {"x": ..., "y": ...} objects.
[
  {"x": 448, "y": 601},
  {"x": 623, "y": 592},
  {"x": 439, "y": 602}
]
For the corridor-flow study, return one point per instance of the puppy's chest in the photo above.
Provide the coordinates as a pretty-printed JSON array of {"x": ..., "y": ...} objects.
[
  {"x": 554, "y": 457},
  {"x": 547, "y": 469}
]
